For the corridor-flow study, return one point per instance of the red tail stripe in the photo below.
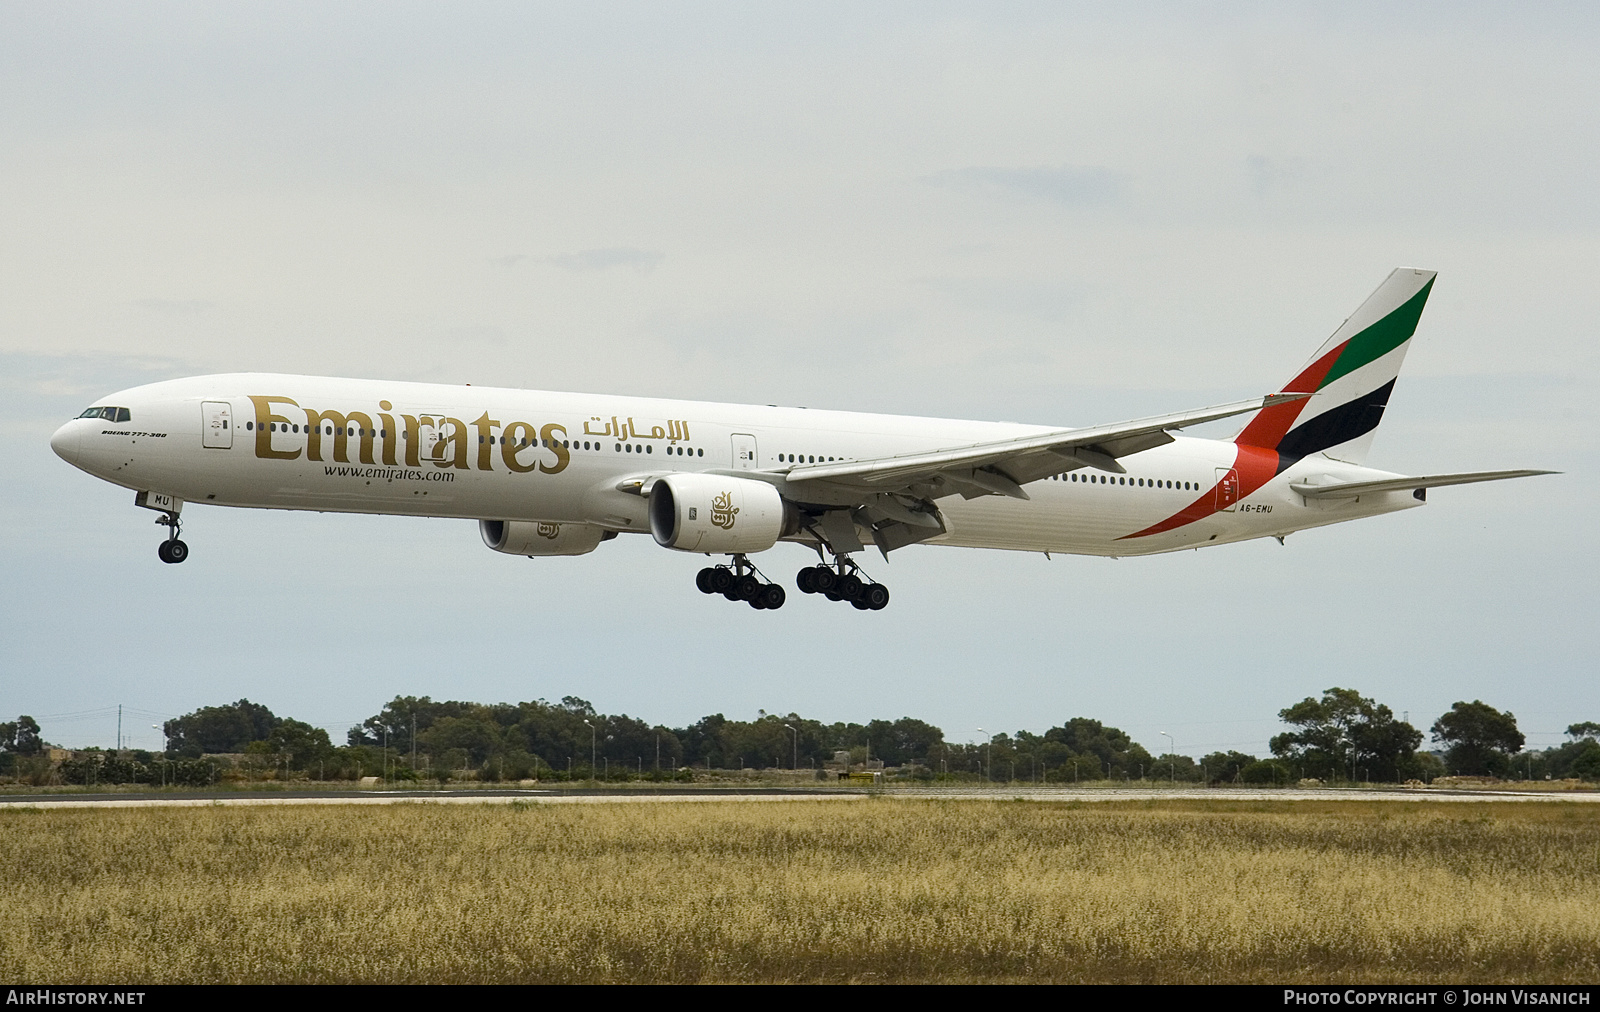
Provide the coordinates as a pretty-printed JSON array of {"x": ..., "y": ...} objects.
[
  {"x": 1270, "y": 425},
  {"x": 1256, "y": 466}
]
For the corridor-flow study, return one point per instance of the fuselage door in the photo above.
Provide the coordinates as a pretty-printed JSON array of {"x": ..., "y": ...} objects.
[
  {"x": 1227, "y": 488},
  {"x": 216, "y": 419},
  {"x": 744, "y": 452}
]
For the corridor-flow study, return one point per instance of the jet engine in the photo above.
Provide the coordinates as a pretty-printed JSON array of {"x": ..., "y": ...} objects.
[
  {"x": 535, "y": 538},
  {"x": 712, "y": 514}
]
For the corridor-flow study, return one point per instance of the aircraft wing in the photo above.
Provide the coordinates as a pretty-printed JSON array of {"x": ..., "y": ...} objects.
[
  {"x": 1002, "y": 467},
  {"x": 1351, "y": 489}
]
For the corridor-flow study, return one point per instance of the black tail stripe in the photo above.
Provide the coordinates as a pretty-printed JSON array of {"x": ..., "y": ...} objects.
[{"x": 1340, "y": 425}]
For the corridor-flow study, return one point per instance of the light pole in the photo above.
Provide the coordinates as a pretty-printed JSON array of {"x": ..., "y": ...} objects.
[
  {"x": 795, "y": 763},
  {"x": 1172, "y": 750},
  {"x": 163, "y": 755},
  {"x": 591, "y": 750},
  {"x": 986, "y": 745}
]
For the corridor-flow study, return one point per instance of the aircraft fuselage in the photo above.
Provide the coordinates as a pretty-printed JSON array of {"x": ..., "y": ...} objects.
[{"x": 271, "y": 441}]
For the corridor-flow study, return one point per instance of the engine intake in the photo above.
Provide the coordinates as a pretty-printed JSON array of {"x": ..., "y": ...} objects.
[
  {"x": 713, "y": 514},
  {"x": 535, "y": 538}
]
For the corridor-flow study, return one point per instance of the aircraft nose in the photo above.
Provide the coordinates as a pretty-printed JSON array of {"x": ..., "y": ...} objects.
[{"x": 65, "y": 443}]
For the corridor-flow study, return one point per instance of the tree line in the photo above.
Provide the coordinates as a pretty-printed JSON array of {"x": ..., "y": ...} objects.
[{"x": 1340, "y": 737}]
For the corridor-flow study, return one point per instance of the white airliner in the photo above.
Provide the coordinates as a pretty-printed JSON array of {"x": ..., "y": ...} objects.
[{"x": 559, "y": 473}]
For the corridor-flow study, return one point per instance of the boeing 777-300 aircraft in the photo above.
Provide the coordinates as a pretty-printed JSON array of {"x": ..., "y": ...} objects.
[{"x": 559, "y": 473}]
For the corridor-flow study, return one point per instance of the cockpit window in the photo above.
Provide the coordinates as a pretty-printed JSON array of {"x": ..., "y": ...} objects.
[
  {"x": 123, "y": 414},
  {"x": 92, "y": 413},
  {"x": 109, "y": 414}
]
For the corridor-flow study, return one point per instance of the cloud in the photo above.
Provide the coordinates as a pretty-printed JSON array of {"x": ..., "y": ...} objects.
[
  {"x": 640, "y": 260},
  {"x": 1068, "y": 185}
]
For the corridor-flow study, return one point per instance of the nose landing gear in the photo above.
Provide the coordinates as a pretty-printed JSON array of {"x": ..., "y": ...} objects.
[
  {"x": 173, "y": 549},
  {"x": 741, "y": 583},
  {"x": 169, "y": 506},
  {"x": 843, "y": 582}
]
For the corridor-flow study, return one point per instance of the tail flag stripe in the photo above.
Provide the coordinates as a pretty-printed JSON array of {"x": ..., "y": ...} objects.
[
  {"x": 1271, "y": 424},
  {"x": 1382, "y": 337}
]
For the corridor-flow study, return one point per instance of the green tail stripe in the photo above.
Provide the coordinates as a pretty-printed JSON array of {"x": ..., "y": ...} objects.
[{"x": 1381, "y": 338}]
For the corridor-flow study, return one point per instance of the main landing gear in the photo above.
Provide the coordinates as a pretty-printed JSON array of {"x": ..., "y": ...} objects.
[
  {"x": 171, "y": 550},
  {"x": 842, "y": 582},
  {"x": 741, "y": 583}
]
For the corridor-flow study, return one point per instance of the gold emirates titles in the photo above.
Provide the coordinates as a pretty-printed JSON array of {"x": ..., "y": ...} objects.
[{"x": 450, "y": 448}]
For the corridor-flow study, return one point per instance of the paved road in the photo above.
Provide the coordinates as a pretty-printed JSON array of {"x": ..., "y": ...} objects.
[{"x": 624, "y": 796}]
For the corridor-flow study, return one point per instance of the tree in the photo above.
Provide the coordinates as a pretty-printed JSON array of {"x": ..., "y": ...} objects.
[
  {"x": 220, "y": 728},
  {"x": 899, "y": 742},
  {"x": 1102, "y": 751},
  {"x": 301, "y": 742},
  {"x": 1587, "y": 764},
  {"x": 1583, "y": 729},
  {"x": 702, "y": 740},
  {"x": 1478, "y": 737},
  {"x": 1269, "y": 771},
  {"x": 1344, "y": 733},
  {"x": 21, "y": 736},
  {"x": 1226, "y": 766},
  {"x": 476, "y": 735}
]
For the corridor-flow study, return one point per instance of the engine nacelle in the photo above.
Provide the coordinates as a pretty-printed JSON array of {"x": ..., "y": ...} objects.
[
  {"x": 535, "y": 538},
  {"x": 714, "y": 514}
]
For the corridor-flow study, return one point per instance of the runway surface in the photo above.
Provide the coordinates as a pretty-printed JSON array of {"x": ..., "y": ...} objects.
[{"x": 607, "y": 797}]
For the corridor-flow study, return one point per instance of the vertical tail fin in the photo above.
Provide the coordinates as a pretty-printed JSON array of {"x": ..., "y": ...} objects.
[{"x": 1350, "y": 378}]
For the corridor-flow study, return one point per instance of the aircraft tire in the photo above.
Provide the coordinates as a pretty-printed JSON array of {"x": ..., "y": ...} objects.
[
  {"x": 860, "y": 604},
  {"x": 721, "y": 580},
  {"x": 177, "y": 551},
  {"x": 746, "y": 588},
  {"x": 806, "y": 580},
  {"x": 161, "y": 551},
  {"x": 876, "y": 595},
  {"x": 772, "y": 596},
  {"x": 702, "y": 580},
  {"x": 826, "y": 579},
  {"x": 849, "y": 587}
]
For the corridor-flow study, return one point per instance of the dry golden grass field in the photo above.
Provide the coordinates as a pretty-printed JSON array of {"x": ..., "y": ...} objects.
[{"x": 876, "y": 890}]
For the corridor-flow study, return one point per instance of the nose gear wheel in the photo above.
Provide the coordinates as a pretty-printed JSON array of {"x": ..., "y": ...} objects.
[{"x": 172, "y": 550}]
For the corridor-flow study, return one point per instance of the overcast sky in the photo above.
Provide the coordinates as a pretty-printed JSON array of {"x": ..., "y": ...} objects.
[{"x": 1035, "y": 213}]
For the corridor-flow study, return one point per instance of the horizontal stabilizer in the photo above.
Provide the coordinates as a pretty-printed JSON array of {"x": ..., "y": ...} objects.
[{"x": 1351, "y": 489}]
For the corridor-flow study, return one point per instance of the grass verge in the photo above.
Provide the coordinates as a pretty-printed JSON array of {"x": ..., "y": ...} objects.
[{"x": 884, "y": 889}]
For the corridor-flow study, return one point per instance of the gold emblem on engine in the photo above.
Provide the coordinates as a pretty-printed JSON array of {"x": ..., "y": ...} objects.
[
  {"x": 723, "y": 511},
  {"x": 550, "y": 531}
]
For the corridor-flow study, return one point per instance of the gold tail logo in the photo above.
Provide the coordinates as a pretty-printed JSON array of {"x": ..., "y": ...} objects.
[{"x": 723, "y": 511}]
